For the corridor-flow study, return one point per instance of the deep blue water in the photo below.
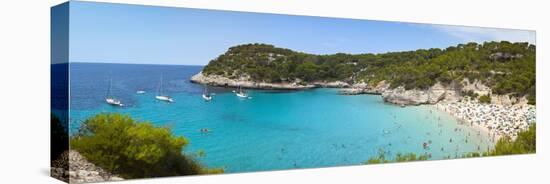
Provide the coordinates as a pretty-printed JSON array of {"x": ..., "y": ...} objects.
[{"x": 273, "y": 130}]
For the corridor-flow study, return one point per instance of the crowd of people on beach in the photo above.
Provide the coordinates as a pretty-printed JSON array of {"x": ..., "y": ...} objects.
[{"x": 498, "y": 120}]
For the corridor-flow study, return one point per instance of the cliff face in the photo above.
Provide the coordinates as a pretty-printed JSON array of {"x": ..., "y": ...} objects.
[
  {"x": 363, "y": 88},
  {"x": 218, "y": 80},
  {"x": 334, "y": 84},
  {"x": 417, "y": 97},
  {"x": 245, "y": 82},
  {"x": 508, "y": 100},
  {"x": 401, "y": 96},
  {"x": 447, "y": 94}
]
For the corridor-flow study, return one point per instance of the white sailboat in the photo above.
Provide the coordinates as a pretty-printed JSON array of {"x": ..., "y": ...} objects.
[
  {"x": 160, "y": 96},
  {"x": 207, "y": 96},
  {"x": 110, "y": 99},
  {"x": 241, "y": 93}
]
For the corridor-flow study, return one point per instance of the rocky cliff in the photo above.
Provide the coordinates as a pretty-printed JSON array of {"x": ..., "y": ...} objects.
[
  {"x": 432, "y": 95},
  {"x": 399, "y": 95},
  {"x": 246, "y": 82},
  {"x": 363, "y": 88},
  {"x": 218, "y": 80},
  {"x": 80, "y": 170}
]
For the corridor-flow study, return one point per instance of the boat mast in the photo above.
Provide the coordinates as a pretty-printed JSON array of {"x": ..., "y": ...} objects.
[
  {"x": 160, "y": 86},
  {"x": 110, "y": 86}
]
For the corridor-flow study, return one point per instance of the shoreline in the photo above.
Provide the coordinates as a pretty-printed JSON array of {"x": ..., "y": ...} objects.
[
  {"x": 495, "y": 120},
  {"x": 463, "y": 122},
  {"x": 399, "y": 96},
  {"x": 220, "y": 81}
]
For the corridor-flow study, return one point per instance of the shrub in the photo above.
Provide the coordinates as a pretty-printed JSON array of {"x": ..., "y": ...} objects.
[
  {"x": 410, "y": 157},
  {"x": 484, "y": 99},
  {"x": 59, "y": 137},
  {"x": 526, "y": 142},
  {"x": 531, "y": 100},
  {"x": 133, "y": 149},
  {"x": 471, "y": 94},
  {"x": 381, "y": 158}
]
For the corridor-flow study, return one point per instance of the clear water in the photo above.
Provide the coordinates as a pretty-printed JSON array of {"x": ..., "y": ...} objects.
[{"x": 273, "y": 130}]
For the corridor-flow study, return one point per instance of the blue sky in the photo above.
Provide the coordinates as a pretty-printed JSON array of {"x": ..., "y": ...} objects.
[{"x": 117, "y": 33}]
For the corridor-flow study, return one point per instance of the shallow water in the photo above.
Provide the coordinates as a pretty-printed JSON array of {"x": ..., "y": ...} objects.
[{"x": 273, "y": 130}]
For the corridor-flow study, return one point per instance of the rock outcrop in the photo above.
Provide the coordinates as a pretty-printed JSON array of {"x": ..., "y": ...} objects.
[
  {"x": 334, "y": 84},
  {"x": 432, "y": 95},
  {"x": 218, "y": 80},
  {"x": 352, "y": 91},
  {"x": 399, "y": 95},
  {"x": 508, "y": 100},
  {"x": 245, "y": 82},
  {"x": 378, "y": 89},
  {"x": 363, "y": 88},
  {"x": 80, "y": 170},
  {"x": 504, "y": 56},
  {"x": 476, "y": 87}
]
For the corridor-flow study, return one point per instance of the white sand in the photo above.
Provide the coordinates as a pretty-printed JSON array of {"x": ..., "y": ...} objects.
[{"x": 495, "y": 120}]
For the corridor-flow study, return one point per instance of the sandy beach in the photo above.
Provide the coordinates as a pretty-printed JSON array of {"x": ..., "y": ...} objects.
[{"x": 496, "y": 121}]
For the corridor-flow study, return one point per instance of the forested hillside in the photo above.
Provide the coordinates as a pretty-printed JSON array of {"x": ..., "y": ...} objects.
[{"x": 508, "y": 68}]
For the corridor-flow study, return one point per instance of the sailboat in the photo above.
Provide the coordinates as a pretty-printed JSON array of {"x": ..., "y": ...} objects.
[
  {"x": 206, "y": 95},
  {"x": 160, "y": 96},
  {"x": 110, "y": 99},
  {"x": 241, "y": 93}
]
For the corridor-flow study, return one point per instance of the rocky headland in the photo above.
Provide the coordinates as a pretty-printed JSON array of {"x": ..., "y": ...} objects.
[
  {"x": 246, "y": 82},
  {"x": 399, "y": 95},
  {"x": 221, "y": 81}
]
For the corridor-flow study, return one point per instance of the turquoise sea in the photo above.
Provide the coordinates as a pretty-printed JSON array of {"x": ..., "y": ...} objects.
[{"x": 275, "y": 129}]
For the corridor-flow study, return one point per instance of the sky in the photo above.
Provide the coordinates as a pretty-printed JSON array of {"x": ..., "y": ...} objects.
[{"x": 118, "y": 33}]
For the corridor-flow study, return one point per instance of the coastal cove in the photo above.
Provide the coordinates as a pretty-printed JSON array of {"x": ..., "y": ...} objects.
[
  {"x": 275, "y": 129},
  {"x": 139, "y": 92},
  {"x": 489, "y": 85}
]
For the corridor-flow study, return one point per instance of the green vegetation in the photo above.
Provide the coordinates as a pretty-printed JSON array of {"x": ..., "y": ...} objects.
[
  {"x": 381, "y": 158},
  {"x": 526, "y": 142},
  {"x": 471, "y": 94},
  {"x": 131, "y": 149},
  {"x": 485, "y": 99},
  {"x": 59, "y": 137},
  {"x": 532, "y": 98},
  {"x": 508, "y": 68}
]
